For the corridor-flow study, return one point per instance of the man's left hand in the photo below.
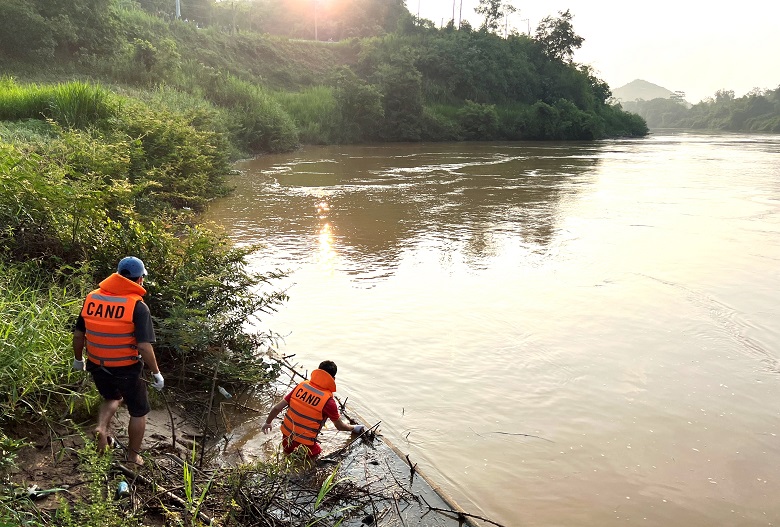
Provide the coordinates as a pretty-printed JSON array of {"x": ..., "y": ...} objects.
[
  {"x": 159, "y": 382},
  {"x": 78, "y": 365}
]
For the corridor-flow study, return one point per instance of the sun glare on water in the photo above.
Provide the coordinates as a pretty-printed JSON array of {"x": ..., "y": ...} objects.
[{"x": 326, "y": 254}]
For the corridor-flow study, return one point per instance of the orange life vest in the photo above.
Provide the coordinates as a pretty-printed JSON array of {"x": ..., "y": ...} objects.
[
  {"x": 304, "y": 418},
  {"x": 108, "y": 317}
]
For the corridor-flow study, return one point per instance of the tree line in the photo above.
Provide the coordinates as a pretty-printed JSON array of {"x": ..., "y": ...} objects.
[
  {"x": 756, "y": 111},
  {"x": 409, "y": 81}
]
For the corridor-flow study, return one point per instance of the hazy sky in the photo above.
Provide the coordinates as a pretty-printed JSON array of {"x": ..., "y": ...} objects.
[{"x": 688, "y": 45}]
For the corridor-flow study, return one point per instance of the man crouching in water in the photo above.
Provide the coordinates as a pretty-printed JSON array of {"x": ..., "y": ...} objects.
[{"x": 310, "y": 404}]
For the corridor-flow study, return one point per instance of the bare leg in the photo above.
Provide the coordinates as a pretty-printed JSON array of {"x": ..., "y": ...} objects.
[
  {"x": 103, "y": 429},
  {"x": 136, "y": 430}
]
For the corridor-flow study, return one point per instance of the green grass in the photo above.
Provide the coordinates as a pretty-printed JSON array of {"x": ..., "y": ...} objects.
[
  {"x": 21, "y": 102},
  {"x": 35, "y": 352},
  {"x": 312, "y": 110},
  {"x": 72, "y": 104}
]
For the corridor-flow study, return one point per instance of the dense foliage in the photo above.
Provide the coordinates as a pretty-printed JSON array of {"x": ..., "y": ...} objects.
[
  {"x": 409, "y": 81},
  {"x": 86, "y": 177},
  {"x": 757, "y": 111}
]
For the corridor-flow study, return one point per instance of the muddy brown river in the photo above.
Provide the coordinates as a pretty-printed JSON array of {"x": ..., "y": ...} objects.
[{"x": 559, "y": 334}]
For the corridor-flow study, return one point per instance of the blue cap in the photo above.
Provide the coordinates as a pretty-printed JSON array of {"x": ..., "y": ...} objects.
[{"x": 131, "y": 267}]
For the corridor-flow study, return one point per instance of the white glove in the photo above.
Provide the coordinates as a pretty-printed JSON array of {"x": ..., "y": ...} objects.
[
  {"x": 359, "y": 429},
  {"x": 78, "y": 365},
  {"x": 159, "y": 382}
]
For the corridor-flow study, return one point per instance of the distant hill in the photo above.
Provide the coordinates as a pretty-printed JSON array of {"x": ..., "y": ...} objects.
[{"x": 642, "y": 90}]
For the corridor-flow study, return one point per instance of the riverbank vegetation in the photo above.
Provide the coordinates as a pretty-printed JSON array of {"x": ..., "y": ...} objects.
[
  {"x": 756, "y": 111},
  {"x": 87, "y": 176},
  {"x": 118, "y": 126},
  {"x": 404, "y": 78}
]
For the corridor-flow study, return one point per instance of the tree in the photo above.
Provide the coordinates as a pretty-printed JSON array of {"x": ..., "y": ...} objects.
[
  {"x": 24, "y": 33},
  {"x": 557, "y": 36},
  {"x": 493, "y": 11},
  {"x": 401, "y": 86},
  {"x": 722, "y": 96}
]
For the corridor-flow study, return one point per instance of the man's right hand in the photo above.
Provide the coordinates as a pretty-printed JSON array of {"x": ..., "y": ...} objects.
[
  {"x": 267, "y": 427},
  {"x": 78, "y": 365}
]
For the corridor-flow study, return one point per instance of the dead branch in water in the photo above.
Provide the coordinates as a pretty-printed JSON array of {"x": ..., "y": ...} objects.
[
  {"x": 513, "y": 434},
  {"x": 460, "y": 515}
]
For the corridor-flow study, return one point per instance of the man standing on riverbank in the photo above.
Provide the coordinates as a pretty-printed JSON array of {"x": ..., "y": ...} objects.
[
  {"x": 310, "y": 403},
  {"x": 116, "y": 327}
]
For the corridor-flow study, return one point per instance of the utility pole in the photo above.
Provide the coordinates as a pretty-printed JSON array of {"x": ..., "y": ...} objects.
[
  {"x": 460, "y": 13},
  {"x": 178, "y": 9},
  {"x": 529, "y": 24},
  {"x": 315, "y": 20},
  {"x": 453, "y": 12}
]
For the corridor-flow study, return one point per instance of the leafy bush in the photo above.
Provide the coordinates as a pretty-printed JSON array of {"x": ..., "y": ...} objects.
[
  {"x": 359, "y": 111},
  {"x": 479, "y": 122},
  {"x": 439, "y": 123},
  {"x": 401, "y": 85},
  {"x": 173, "y": 158},
  {"x": 76, "y": 201},
  {"x": 24, "y": 33},
  {"x": 200, "y": 293}
]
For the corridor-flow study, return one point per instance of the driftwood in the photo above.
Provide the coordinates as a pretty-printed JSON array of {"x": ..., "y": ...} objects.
[
  {"x": 460, "y": 515},
  {"x": 161, "y": 491}
]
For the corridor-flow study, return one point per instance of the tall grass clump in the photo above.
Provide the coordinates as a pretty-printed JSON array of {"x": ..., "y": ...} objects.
[
  {"x": 71, "y": 104},
  {"x": 257, "y": 122},
  {"x": 35, "y": 351},
  {"x": 21, "y": 102},
  {"x": 313, "y": 111},
  {"x": 79, "y": 104}
]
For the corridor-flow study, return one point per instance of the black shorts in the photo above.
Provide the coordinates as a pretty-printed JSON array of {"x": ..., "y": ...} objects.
[{"x": 123, "y": 382}]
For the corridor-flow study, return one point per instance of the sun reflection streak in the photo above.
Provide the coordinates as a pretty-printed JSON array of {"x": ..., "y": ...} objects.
[{"x": 327, "y": 254}]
